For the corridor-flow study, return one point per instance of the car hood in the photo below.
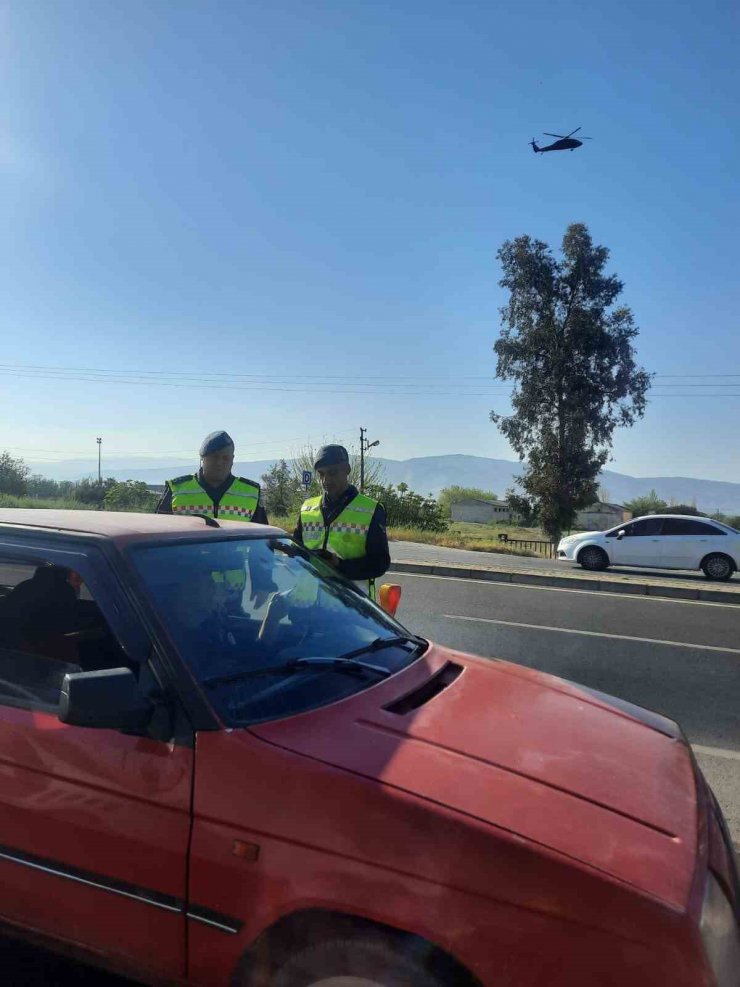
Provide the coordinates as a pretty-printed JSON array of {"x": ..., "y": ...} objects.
[
  {"x": 581, "y": 536},
  {"x": 540, "y": 759}
]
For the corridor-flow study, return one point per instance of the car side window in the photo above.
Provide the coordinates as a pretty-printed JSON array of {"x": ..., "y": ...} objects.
[
  {"x": 49, "y": 625},
  {"x": 687, "y": 526},
  {"x": 707, "y": 530},
  {"x": 649, "y": 526},
  {"x": 677, "y": 526}
]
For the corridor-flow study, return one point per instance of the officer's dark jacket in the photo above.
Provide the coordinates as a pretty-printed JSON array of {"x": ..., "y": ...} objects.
[{"x": 378, "y": 559}]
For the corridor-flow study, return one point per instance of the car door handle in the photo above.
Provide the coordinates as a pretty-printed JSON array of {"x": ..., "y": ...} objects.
[{"x": 656, "y": 540}]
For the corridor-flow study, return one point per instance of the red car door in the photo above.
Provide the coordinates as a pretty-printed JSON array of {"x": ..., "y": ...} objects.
[{"x": 94, "y": 824}]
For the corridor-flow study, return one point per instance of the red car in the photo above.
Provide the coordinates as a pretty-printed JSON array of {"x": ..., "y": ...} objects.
[{"x": 222, "y": 765}]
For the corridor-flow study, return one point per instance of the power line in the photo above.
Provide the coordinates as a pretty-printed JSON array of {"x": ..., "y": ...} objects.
[
  {"x": 275, "y": 378},
  {"x": 298, "y": 384},
  {"x": 423, "y": 391}
]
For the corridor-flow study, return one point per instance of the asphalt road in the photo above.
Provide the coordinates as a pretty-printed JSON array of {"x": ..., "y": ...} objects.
[{"x": 681, "y": 658}]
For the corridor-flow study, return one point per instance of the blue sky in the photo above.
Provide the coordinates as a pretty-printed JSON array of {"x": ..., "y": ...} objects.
[{"x": 311, "y": 195}]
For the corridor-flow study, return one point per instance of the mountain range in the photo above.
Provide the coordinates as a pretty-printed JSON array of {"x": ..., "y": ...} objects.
[{"x": 429, "y": 474}]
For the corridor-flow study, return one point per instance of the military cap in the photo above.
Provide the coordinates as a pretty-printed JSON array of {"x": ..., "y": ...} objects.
[
  {"x": 331, "y": 456},
  {"x": 215, "y": 442}
]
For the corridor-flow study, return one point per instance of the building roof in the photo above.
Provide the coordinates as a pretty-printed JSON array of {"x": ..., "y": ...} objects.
[
  {"x": 603, "y": 503},
  {"x": 480, "y": 500},
  {"x": 125, "y": 526}
]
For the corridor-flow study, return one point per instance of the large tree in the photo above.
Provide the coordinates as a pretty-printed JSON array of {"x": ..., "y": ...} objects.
[{"x": 569, "y": 350}]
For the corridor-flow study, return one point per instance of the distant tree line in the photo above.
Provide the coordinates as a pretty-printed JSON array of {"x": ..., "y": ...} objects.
[
  {"x": 16, "y": 480},
  {"x": 283, "y": 493},
  {"x": 651, "y": 503}
]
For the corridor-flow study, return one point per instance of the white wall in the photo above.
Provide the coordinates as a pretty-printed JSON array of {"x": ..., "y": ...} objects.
[{"x": 478, "y": 512}]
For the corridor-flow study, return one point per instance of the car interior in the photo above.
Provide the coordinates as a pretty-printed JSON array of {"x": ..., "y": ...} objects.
[{"x": 49, "y": 625}]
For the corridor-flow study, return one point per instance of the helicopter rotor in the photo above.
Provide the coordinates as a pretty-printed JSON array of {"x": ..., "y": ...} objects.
[{"x": 565, "y": 137}]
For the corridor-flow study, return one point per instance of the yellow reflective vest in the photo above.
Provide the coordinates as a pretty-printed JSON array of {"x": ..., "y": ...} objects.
[
  {"x": 346, "y": 536},
  {"x": 238, "y": 503}
]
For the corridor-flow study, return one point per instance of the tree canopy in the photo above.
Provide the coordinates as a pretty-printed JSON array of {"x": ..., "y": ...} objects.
[
  {"x": 569, "y": 350},
  {"x": 649, "y": 503},
  {"x": 281, "y": 490},
  {"x": 13, "y": 475},
  {"x": 129, "y": 495},
  {"x": 406, "y": 509}
]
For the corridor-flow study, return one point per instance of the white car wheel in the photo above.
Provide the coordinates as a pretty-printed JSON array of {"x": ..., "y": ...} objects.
[
  {"x": 594, "y": 558},
  {"x": 718, "y": 568}
]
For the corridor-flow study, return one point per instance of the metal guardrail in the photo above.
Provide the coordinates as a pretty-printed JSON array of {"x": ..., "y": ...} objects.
[{"x": 545, "y": 548}]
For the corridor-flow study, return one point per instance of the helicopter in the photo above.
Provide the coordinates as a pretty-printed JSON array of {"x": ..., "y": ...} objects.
[{"x": 566, "y": 142}]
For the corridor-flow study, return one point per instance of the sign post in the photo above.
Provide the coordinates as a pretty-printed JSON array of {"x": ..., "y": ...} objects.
[{"x": 307, "y": 477}]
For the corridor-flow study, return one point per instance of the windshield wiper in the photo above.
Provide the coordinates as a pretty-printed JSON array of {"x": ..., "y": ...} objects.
[
  {"x": 340, "y": 664},
  {"x": 385, "y": 642}
]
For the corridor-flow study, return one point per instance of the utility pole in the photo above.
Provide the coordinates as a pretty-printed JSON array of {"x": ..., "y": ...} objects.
[
  {"x": 100, "y": 475},
  {"x": 365, "y": 444}
]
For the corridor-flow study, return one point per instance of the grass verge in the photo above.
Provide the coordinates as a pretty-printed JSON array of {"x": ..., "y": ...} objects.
[
  {"x": 38, "y": 503},
  {"x": 473, "y": 537}
]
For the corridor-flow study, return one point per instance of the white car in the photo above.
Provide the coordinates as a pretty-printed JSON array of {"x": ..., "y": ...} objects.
[{"x": 660, "y": 541}]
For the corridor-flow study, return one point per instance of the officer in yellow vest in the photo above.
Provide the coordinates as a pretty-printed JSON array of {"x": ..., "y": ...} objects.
[
  {"x": 344, "y": 527},
  {"x": 214, "y": 490}
]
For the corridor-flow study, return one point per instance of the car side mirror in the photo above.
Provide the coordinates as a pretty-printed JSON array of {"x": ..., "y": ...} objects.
[
  {"x": 620, "y": 535},
  {"x": 110, "y": 699},
  {"x": 389, "y": 597}
]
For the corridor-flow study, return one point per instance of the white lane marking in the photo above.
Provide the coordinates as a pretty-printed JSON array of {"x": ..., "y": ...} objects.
[
  {"x": 633, "y": 597},
  {"x": 615, "y": 637},
  {"x": 717, "y": 752}
]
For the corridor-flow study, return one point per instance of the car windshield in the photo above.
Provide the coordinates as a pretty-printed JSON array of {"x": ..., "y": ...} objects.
[{"x": 268, "y": 630}]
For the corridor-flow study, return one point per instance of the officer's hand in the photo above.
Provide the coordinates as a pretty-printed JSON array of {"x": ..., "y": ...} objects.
[{"x": 329, "y": 557}]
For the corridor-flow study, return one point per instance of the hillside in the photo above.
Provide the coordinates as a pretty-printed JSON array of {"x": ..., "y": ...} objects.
[{"x": 429, "y": 474}]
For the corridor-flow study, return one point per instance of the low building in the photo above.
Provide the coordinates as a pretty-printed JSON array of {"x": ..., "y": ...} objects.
[
  {"x": 601, "y": 516},
  {"x": 480, "y": 511}
]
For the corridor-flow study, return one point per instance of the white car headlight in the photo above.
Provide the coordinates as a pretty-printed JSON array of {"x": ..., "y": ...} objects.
[{"x": 720, "y": 933}]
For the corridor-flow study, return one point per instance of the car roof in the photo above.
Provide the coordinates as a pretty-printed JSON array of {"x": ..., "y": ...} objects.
[
  {"x": 683, "y": 517},
  {"x": 122, "y": 527}
]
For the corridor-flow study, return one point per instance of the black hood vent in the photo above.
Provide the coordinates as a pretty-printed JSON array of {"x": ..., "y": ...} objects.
[{"x": 423, "y": 693}]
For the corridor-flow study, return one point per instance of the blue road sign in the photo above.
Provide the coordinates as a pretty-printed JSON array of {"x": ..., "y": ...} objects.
[{"x": 307, "y": 477}]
